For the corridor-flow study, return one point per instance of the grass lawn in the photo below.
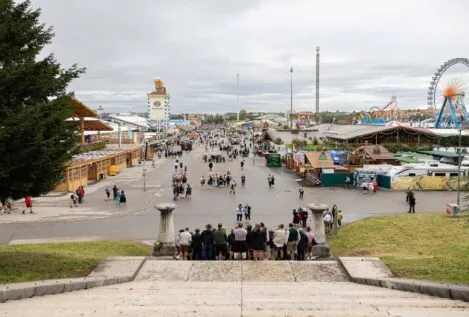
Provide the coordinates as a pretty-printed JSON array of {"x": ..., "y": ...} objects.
[
  {"x": 419, "y": 246},
  {"x": 30, "y": 262}
]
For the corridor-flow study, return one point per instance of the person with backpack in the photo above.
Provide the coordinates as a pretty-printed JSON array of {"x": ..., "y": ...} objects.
[{"x": 292, "y": 242}]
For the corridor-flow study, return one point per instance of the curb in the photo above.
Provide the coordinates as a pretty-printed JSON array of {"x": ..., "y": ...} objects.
[
  {"x": 383, "y": 278},
  {"x": 450, "y": 291},
  {"x": 16, "y": 291}
]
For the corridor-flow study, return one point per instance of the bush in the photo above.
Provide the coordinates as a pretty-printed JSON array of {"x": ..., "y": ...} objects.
[{"x": 278, "y": 141}]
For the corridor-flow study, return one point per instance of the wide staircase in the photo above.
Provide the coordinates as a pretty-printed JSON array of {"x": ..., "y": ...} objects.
[{"x": 234, "y": 288}]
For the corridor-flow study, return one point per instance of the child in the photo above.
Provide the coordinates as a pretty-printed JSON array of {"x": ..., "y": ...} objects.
[
  {"x": 74, "y": 199},
  {"x": 29, "y": 204}
]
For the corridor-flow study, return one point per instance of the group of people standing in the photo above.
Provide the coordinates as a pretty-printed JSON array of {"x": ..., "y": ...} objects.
[{"x": 250, "y": 243}]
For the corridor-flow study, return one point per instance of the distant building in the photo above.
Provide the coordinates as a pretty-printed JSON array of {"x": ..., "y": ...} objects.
[
  {"x": 158, "y": 103},
  {"x": 135, "y": 123}
]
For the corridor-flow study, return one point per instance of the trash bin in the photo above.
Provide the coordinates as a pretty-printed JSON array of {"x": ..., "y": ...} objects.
[
  {"x": 112, "y": 170},
  {"x": 452, "y": 209}
]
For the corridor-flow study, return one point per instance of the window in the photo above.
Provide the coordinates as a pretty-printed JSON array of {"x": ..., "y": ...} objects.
[
  {"x": 411, "y": 174},
  {"x": 439, "y": 174},
  {"x": 453, "y": 174}
]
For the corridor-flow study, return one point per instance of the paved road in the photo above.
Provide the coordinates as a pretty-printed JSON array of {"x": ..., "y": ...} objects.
[{"x": 271, "y": 205}]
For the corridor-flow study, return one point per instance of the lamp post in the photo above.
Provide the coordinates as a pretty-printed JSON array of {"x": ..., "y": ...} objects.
[
  {"x": 291, "y": 98},
  {"x": 458, "y": 200},
  {"x": 100, "y": 111}
]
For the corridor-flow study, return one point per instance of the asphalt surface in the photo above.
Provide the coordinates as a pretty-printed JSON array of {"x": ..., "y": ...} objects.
[{"x": 139, "y": 220}]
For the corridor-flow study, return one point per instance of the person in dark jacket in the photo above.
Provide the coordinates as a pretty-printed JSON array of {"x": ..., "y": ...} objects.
[
  {"x": 207, "y": 243},
  {"x": 304, "y": 217},
  {"x": 302, "y": 245},
  {"x": 412, "y": 203},
  {"x": 221, "y": 242},
  {"x": 249, "y": 253},
  {"x": 296, "y": 218},
  {"x": 257, "y": 240},
  {"x": 196, "y": 245}
]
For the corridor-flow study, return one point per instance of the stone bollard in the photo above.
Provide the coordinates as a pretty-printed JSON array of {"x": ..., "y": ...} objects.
[
  {"x": 320, "y": 250},
  {"x": 165, "y": 244}
]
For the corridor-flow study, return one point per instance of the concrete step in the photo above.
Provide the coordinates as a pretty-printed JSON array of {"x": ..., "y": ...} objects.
[
  {"x": 235, "y": 288},
  {"x": 153, "y": 298}
]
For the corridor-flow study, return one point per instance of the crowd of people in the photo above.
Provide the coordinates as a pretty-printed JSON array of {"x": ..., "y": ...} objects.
[{"x": 246, "y": 243}]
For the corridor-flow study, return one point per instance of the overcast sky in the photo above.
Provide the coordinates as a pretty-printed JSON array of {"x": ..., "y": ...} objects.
[{"x": 369, "y": 49}]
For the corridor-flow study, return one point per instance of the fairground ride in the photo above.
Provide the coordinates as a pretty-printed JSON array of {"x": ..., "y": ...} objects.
[
  {"x": 382, "y": 115},
  {"x": 447, "y": 88},
  {"x": 453, "y": 112}
]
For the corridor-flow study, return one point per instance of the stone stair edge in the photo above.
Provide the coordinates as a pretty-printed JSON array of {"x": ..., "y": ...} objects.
[
  {"x": 16, "y": 291},
  {"x": 436, "y": 289}
]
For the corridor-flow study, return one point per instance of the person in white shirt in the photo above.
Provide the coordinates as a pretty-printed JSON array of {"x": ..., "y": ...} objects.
[
  {"x": 239, "y": 213},
  {"x": 280, "y": 238},
  {"x": 185, "y": 239},
  {"x": 327, "y": 222}
]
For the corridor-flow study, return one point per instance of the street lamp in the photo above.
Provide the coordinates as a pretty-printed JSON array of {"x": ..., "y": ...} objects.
[
  {"x": 458, "y": 200},
  {"x": 100, "y": 111},
  {"x": 291, "y": 98}
]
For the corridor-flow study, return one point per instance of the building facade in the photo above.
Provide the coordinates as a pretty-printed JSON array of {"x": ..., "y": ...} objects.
[{"x": 158, "y": 103}]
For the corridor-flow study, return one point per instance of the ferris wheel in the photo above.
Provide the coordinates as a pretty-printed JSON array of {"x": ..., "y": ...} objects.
[{"x": 454, "y": 72}]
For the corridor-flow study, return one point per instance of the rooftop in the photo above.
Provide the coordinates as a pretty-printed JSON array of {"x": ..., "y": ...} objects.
[{"x": 136, "y": 120}]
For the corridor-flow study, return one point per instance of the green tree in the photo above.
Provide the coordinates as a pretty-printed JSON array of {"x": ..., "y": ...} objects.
[
  {"x": 35, "y": 140},
  {"x": 243, "y": 114}
]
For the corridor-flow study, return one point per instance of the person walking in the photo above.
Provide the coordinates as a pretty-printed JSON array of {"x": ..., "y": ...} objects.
[
  {"x": 123, "y": 199},
  {"x": 114, "y": 192},
  {"x": 412, "y": 203},
  {"x": 210, "y": 166},
  {"x": 202, "y": 182},
  {"x": 239, "y": 213},
  {"x": 28, "y": 202},
  {"x": 221, "y": 243},
  {"x": 108, "y": 193},
  {"x": 269, "y": 179},
  {"x": 185, "y": 239},
  {"x": 74, "y": 199},
  {"x": 247, "y": 212},
  {"x": 242, "y": 164},
  {"x": 233, "y": 188},
  {"x": 207, "y": 243},
  {"x": 243, "y": 180},
  {"x": 189, "y": 191},
  {"x": 196, "y": 245},
  {"x": 301, "y": 190}
]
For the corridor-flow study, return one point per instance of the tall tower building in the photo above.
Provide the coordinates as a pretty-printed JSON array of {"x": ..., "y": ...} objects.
[{"x": 158, "y": 103}]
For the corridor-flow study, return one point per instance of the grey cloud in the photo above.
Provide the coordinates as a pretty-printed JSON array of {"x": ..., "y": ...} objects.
[{"x": 368, "y": 49}]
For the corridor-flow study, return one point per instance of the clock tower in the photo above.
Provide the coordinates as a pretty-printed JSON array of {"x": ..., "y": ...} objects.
[{"x": 158, "y": 103}]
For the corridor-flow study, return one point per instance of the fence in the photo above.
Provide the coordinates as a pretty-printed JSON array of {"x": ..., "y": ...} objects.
[
  {"x": 384, "y": 181},
  {"x": 335, "y": 179}
]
